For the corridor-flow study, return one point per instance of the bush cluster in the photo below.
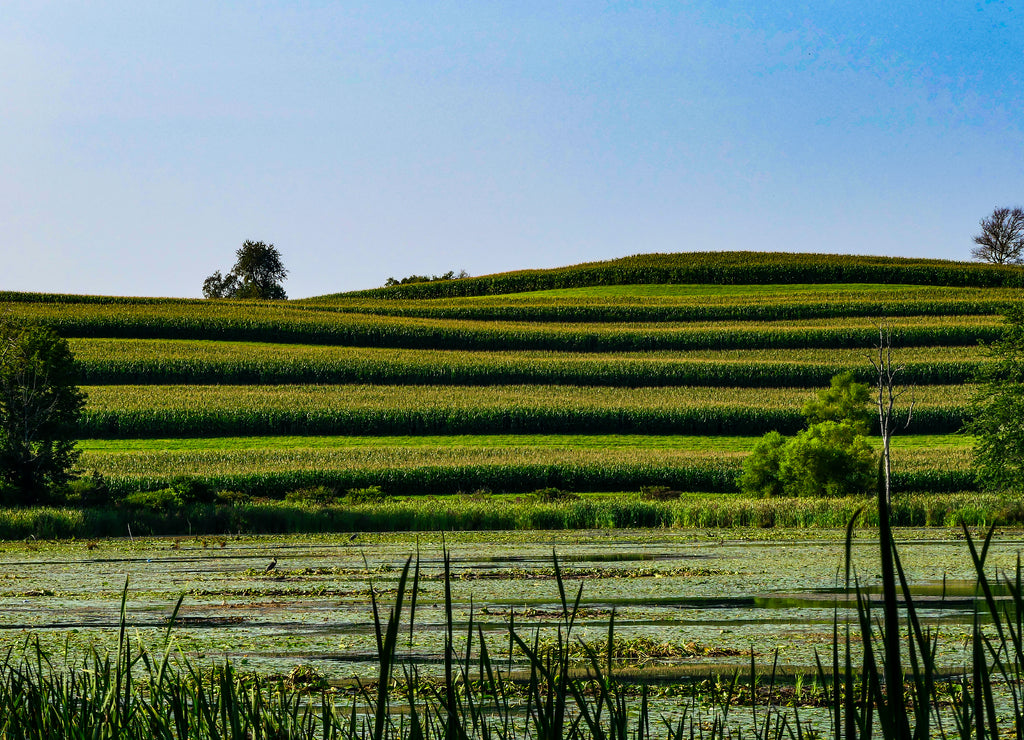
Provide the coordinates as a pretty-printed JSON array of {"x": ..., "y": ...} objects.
[{"x": 830, "y": 457}]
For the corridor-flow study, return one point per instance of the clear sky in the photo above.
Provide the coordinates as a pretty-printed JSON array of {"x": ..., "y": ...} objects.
[{"x": 143, "y": 142}]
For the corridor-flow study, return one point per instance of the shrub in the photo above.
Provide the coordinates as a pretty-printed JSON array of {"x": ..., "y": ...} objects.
[
  {"x": 659, "y": 493},
  {"x": 761, "y": 470},
  {"x": 192, "y": 490},
  {"x": 554, "y": 494},
  {"x": 89, "y": 490},
  {"x": 830, "y": 457},
  {"x": 164, "y": 499},
  {"x": 313, "y": 495},
  {"x": 367, "y": 495},
  {"x": 232, "y": 498}
]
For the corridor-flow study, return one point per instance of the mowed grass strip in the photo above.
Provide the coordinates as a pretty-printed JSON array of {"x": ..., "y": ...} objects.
[
  {"x": 196, "y": 410},
  {"x": 909, "y": 442},
  {"x": 235, "y": 321},
  {"x": 128, "y": 361}
]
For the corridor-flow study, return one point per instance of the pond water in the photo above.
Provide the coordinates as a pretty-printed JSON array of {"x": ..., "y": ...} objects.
[{"x": 722, "y": 594}]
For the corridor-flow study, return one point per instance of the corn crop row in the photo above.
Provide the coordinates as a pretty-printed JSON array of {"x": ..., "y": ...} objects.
[
  {"x": 211, "y": 411},
  {"x": 638, "y": 374},
  {"x": 722, "y": 268},
  {"x": 232, "y": 322},
  {"x": 705, "y": 311},
  {"x": 424, "y": 470}
]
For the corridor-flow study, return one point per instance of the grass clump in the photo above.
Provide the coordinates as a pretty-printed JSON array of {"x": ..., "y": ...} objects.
[
  {"x": 318, "y": 495},
  {"x": 366, "y": 495},
  {"x": 659, "y": 493}
]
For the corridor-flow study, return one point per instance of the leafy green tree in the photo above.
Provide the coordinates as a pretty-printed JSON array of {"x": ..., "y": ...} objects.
[
  {"x": 762, "y": 470},
  {"x": 450, "y": 275},
  {"x": 844, "y": 400},
  {"x": 39, "y": 408},
  {"x": 258, "y": 273},
  {"x": 998, "y": 410},
  {"x": 220, "y": 286},
  {"x": 830, "y": 457}
]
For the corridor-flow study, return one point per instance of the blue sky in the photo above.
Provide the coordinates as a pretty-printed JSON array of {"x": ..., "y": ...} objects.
[{"x": 142, "y": 142}]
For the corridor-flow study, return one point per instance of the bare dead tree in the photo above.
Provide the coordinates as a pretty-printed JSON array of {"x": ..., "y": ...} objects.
[
  {"x": 888, "y": 395},
  {"x": 1001, "y": 240}
]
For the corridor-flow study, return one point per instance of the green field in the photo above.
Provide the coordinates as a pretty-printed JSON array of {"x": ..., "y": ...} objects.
[
  {"x": 207, "y": 410},
  {"x": 653, "y": 370}
]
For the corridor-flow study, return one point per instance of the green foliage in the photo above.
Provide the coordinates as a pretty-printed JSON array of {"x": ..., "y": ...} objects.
[
  {"x": 659, "y": 493},
  {"x": 762, "y": 470},
  {"x": 40, "y": 406},
  {"x": 183, "y": 491},
  {"x": 828, "y": 458},
  {"x": 450, "y": 275},
  {"x": 425, "y": 513},
  {"x": 552, "y": 493},
  {"x": 365, "y": 495},
  {"x": 831, "y": 457},
  {"x": 291, "y": 323},
  {"x": 844, "y": 401},
  {"x": 232, "y": 498},
  {"x": 191, "y": 490},
  {"x": 998, "y": 423},
  {"x": 257, "y": 273},
  {"x": 602, "y": 355},
  {"x": 317, "y": 495},
  {"x": 88, "y": 490},
  {"x": 160, "y": 500}
]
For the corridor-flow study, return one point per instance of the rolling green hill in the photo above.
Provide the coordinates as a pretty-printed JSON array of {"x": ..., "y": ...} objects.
[{"x": 649, "y": 370}]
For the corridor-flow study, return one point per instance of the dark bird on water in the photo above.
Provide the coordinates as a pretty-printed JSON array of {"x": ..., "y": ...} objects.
[
  {"x": 353, "y": 537},
  {"x": 273, "y": 564}
]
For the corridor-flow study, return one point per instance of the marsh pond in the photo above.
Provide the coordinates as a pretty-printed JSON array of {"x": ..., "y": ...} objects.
[{"x": 685, "y": 601}]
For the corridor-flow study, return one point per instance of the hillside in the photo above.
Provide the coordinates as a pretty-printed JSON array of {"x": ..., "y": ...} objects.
[
  {"x": 650, "y": 370},
  {"x": 713, "y": 268}
]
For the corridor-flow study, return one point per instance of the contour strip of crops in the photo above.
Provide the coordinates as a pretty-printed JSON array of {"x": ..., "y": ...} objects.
[
  {"x": 699, "y": 303},
  {"x": 110, "y": 361},
  {"x": 235, "y": 321},
  {"x": 445, "y": 469},
  {"x": 196, "y": 410}
]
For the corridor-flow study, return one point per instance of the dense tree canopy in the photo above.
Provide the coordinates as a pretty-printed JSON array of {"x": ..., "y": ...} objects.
[
  {"x": 39, "y": 407},
  {"x": 998, "y": 419},
  {"x": 258, "y": 273}
]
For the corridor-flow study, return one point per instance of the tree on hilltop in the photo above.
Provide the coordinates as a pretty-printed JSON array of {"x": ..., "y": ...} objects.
[
  {"x": 258, "y": 273},
  {"x": 1001, "y": 240}
]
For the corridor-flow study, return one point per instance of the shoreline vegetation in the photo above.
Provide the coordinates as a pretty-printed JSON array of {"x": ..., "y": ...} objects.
[
  {"x": 546, "y": 509},
  {"x": 548, "y": 682}
]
